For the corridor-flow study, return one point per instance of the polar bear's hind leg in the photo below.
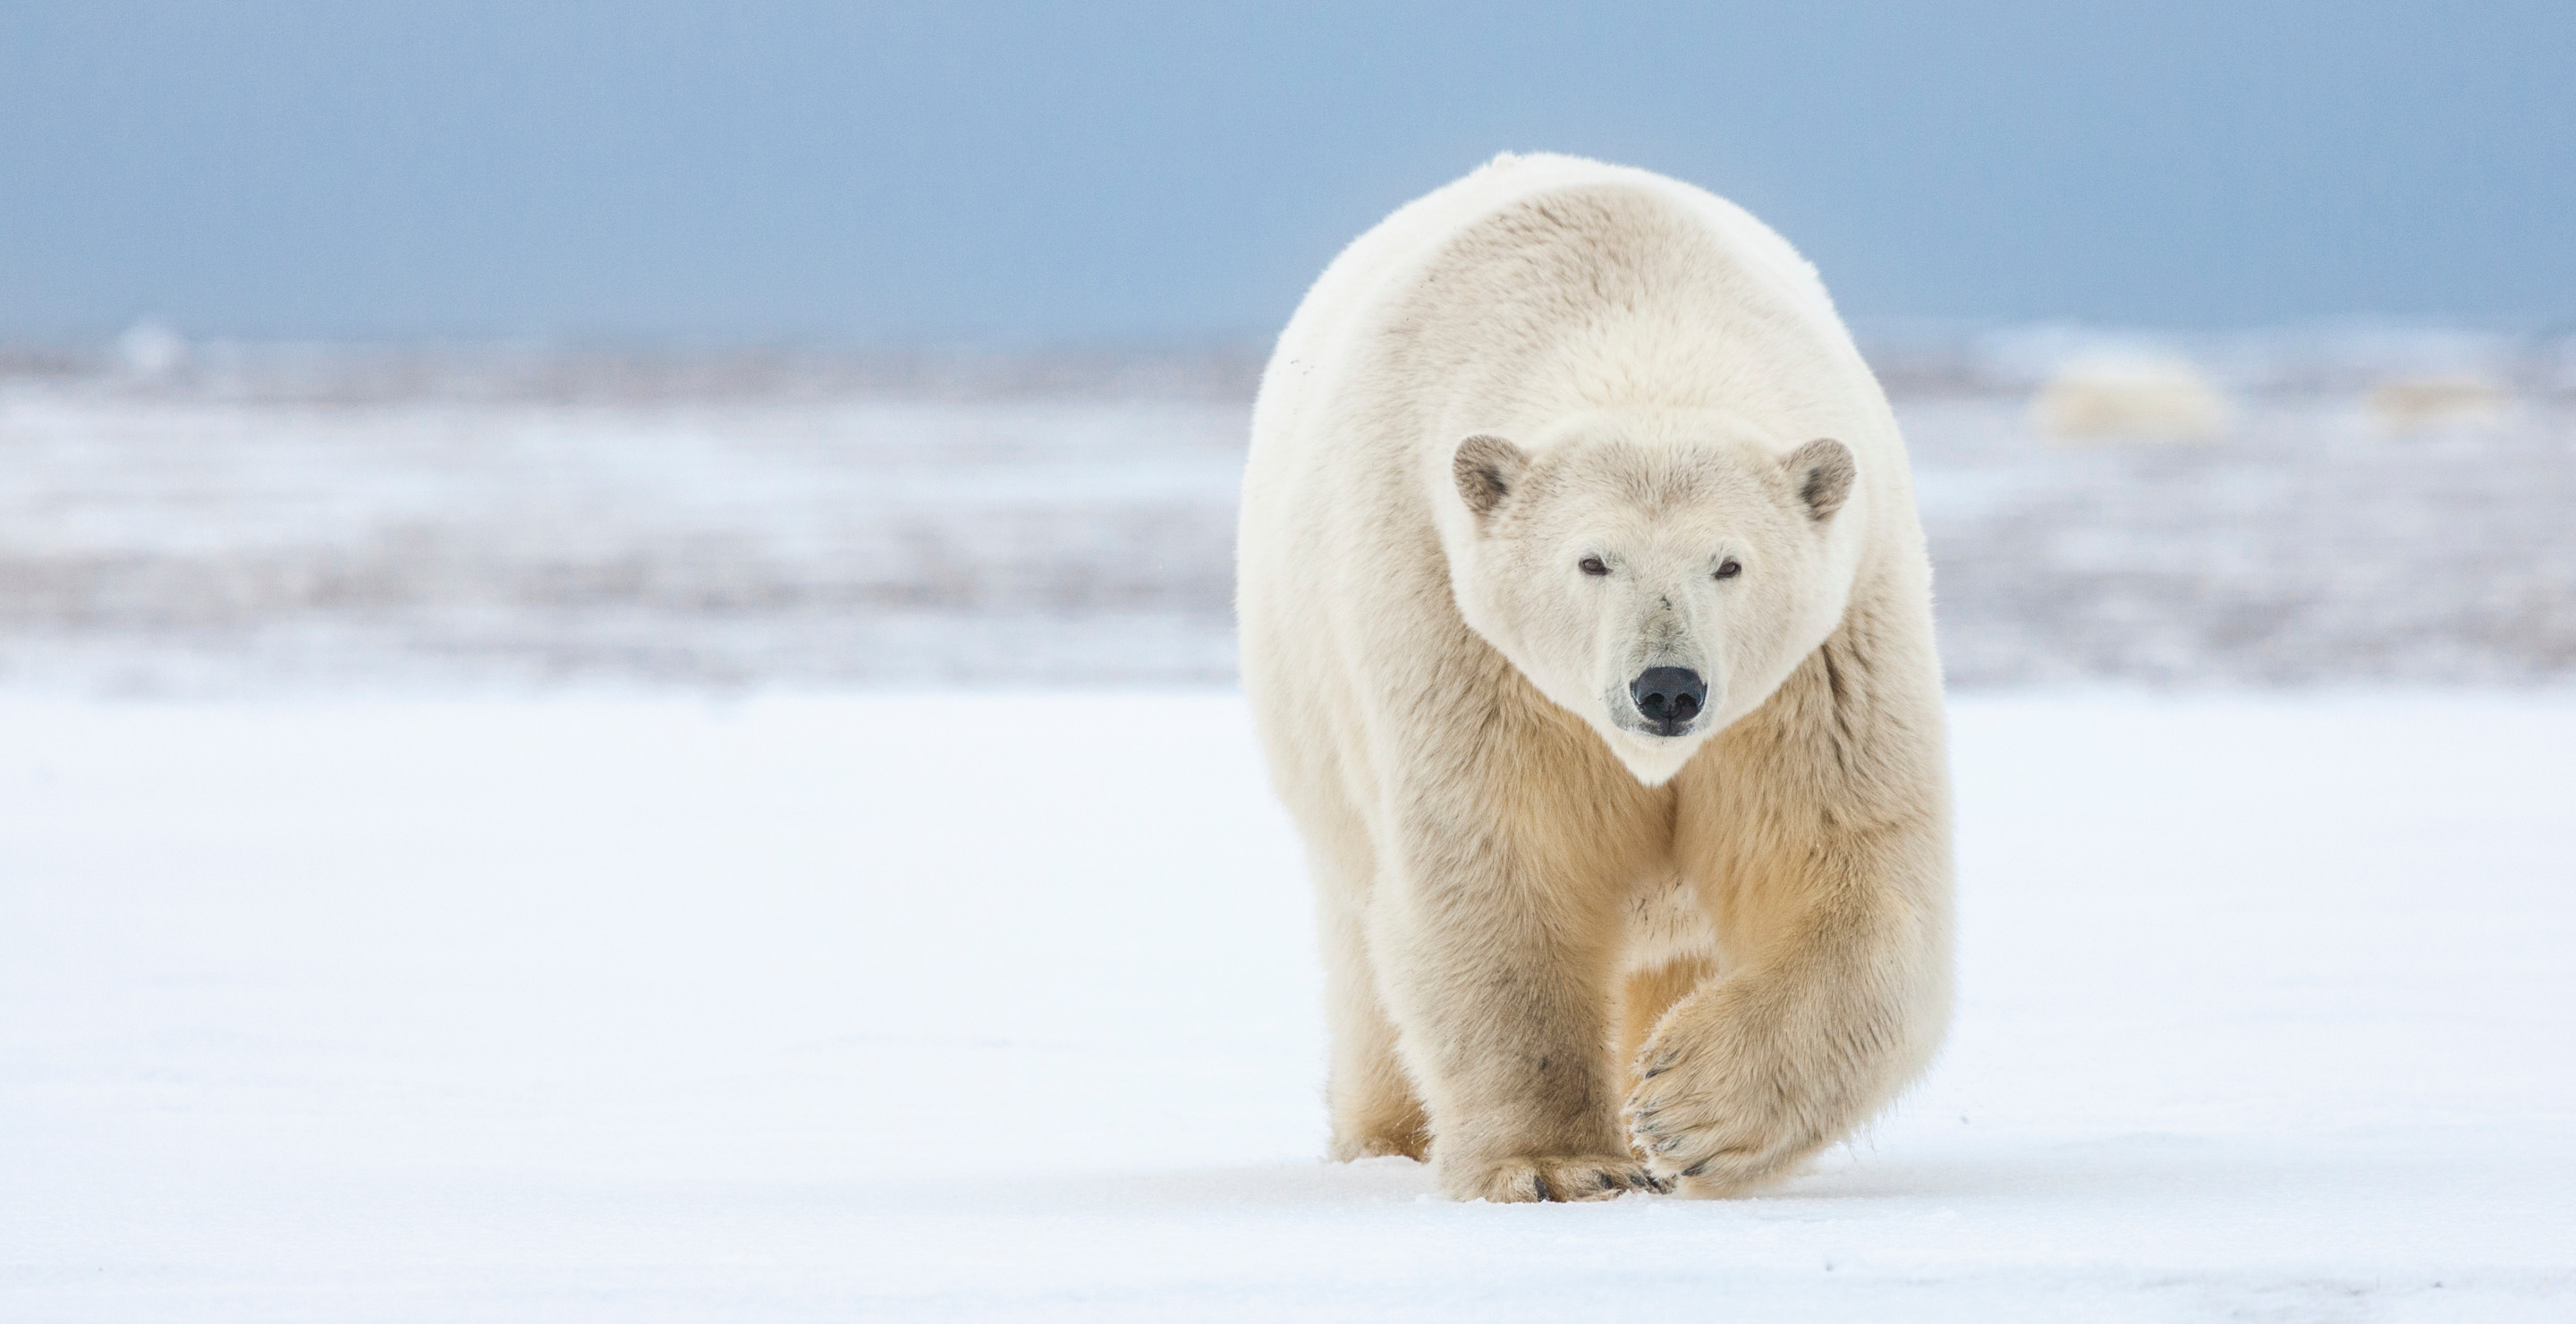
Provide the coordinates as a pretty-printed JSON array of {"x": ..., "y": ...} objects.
[{"x": 1375, "y": 1111}]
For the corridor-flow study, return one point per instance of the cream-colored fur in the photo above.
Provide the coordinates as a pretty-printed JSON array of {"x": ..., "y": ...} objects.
[{"x": 1567, "y": 955}]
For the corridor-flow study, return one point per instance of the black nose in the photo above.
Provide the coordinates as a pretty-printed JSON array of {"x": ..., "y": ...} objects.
[{"x": 1669, "y": 697}]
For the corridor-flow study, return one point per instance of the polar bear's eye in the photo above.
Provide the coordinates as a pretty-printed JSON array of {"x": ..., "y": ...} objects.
[
  {"x": 1591, "y": 565},
  {"x": 1730, "y": 568}
]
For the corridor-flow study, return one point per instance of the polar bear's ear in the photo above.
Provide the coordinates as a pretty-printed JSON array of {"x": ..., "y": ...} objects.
[
  {"x": 1487, "y": 469},
  {"x": 1822, "y": 472}
]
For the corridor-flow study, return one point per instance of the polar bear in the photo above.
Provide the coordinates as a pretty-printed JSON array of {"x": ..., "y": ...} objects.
[{"x": 1586, "y": 621}]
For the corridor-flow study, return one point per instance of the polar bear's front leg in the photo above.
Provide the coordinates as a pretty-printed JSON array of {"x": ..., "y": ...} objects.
[
  {"x": 1839, "y": 1000},
  {"x": 1496, "y": 976}
]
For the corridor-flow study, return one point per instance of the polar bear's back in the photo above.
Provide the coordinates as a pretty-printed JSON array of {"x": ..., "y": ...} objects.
[
  {"x": 1541, "y": 286},
  {"x": 1533, "y": 289},
  {"x": 1371, "y": 270}
]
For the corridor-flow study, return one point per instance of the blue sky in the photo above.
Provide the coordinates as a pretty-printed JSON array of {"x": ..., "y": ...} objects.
[{"x": 1070, "y": 173}]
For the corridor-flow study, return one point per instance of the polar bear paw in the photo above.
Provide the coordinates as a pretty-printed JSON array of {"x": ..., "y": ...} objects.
[
  {"x": 1711, "y": 1126},
  {"x": 1526, "y": 1178}
]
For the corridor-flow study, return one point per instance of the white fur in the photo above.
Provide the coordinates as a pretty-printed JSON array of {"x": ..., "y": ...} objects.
[{"x": 1498, "y": 838}]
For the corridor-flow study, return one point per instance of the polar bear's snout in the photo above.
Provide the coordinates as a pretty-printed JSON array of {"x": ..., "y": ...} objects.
[{"x": 1669, "y": 698}]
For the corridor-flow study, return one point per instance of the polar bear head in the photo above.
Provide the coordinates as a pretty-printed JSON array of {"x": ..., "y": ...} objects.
[{"x": 1659, "y": 582}]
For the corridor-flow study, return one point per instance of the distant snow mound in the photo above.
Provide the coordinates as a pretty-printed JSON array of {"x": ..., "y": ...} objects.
[
  {"x": 151, "y": 350},
  {"x": 2434, "y": 402},
  {"x": 2129, "y": 397}
]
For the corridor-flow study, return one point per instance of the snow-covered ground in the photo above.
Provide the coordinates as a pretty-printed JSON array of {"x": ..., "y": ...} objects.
[
  {"x": 214, "y": 547},
  {"x": 975, "y": 1006},
  {"x": 203, "y": 544}
]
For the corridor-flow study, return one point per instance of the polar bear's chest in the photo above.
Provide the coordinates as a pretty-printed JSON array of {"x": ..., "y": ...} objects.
[{"x": 1666, "y": 924}]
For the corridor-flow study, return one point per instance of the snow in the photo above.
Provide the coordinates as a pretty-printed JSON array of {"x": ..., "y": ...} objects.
[
  {"x": 1000, "y": 1006},
  {"x": 218, "y": 547},
  {"x": 190, "y": 543}
]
